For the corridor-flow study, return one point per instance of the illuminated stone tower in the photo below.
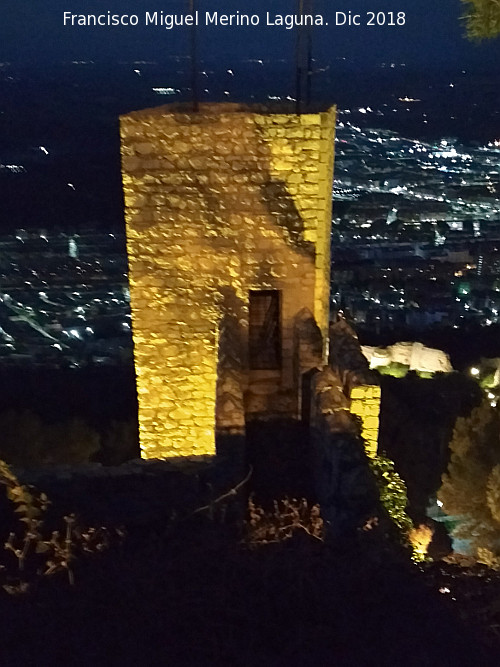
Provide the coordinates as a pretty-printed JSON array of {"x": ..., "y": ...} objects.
[{"x": 228, "y": 214}]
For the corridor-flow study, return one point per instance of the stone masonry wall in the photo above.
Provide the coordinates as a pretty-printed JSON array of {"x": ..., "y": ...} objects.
[
  {"x": 218, "y": 203},
  {"x": 365, "y": 403}
]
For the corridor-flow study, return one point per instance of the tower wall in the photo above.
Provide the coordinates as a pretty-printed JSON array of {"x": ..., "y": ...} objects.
[{"x": 218, "y": 203}]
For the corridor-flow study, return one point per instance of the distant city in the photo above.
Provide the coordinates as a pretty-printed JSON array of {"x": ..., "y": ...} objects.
[
  {"x": 416, "y": 227},
  {"x": 64, "y": 299},
  {"x": 416, "y": 230}
]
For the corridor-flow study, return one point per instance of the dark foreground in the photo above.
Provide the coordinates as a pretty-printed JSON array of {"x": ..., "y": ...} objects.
[{"x": 195, "y": 595}]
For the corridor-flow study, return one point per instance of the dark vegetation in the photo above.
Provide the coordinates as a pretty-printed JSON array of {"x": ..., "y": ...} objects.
[
  {"x": 96, "y": 395},
  {"x": 471, "y": 485},
  {"x": 482, "y": 19},
  {"x": 205, "y": 589},
  {"x": 200, "y": 598},
  {"x": 417, "y": 420},
  {"x": 214, "y": 588},
  {"x": 57, "y": 415}
]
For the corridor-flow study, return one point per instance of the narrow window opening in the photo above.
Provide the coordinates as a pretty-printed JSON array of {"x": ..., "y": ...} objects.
[{"x": 265, "y": 330}]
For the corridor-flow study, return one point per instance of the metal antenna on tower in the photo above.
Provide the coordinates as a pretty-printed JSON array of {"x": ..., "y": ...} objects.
[
  {"x": 309, "y": 72},
  {"x": 194, "y": 58},
  {"x": 303, "y": 56}
]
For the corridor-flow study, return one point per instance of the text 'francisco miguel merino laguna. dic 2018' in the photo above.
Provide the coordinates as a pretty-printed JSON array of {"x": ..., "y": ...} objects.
[{"x": 170, "y": 21}]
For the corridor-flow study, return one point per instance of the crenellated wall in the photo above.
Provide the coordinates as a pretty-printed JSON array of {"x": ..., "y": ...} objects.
[{"x": 218, "y": 203}]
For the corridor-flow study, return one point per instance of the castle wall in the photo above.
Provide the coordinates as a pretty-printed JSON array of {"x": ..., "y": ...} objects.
[
  {"x": 415, "y": 355},
  {"x": 218, "y": 203},
  {"x": 365, "y": 403}
]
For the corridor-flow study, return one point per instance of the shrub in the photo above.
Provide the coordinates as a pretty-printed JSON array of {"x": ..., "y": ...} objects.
[
  {"x": 286, "y": 519},
  {"x": 392, "y": 491}
]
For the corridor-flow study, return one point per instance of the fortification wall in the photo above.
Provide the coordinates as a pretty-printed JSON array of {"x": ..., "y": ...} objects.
[{"x": 365, "y": 403}]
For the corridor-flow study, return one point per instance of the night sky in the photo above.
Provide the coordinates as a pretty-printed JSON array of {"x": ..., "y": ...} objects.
[
  {"x": 31, "y": 30},
  {"x": 73, "y": 110}
]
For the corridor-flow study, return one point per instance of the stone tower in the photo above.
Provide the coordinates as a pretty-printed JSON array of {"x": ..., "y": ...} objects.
[{"x": 228, "y": 215}]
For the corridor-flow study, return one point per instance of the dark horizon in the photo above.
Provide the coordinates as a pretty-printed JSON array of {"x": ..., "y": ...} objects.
[{"x": 432, "y": 37}]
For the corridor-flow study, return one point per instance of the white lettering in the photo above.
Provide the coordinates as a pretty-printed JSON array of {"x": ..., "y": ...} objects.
[
  {"x": 100, "y": 19},
  {"x": 290, "y": 21},
  {"x": 237, "y": 19}
]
